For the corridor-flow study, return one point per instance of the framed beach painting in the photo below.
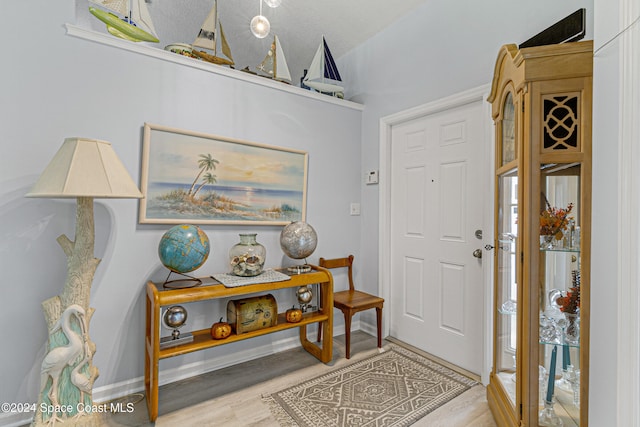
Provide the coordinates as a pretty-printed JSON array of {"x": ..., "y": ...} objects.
[{"x": 190, "y": 177}]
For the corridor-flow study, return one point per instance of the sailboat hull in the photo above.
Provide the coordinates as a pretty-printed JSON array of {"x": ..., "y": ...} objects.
[
  {"x": 117, "y": 33},
  {"x": 324, "y": 86},
  {"x": 122, "y": 29},
  {"x": 211, "y": 58}
]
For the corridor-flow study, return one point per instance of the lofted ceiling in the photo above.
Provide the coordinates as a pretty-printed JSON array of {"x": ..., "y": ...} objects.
[{"x": 299, "y": 25}]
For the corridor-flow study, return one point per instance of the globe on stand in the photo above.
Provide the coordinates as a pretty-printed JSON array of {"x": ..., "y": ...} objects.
[
  {"x": 182, "y": 249},
  {"x": 298, "y": 240}
]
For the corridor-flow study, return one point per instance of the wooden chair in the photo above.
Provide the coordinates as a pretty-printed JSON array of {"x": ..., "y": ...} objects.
[{"x": 352, "y": 301}]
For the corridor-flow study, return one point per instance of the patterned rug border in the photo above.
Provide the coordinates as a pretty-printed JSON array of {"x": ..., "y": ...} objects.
[{"x": 285, "y": 419}]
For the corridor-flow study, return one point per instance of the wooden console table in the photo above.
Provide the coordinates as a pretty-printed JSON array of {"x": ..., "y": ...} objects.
[{"x": 157, "y": 297}]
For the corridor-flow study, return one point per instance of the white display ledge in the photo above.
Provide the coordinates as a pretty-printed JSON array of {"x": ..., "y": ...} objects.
[{"x": 83, "y": 33}]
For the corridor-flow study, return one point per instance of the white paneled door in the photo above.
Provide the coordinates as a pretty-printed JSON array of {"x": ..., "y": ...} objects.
[{"x": 436, "y": 207}]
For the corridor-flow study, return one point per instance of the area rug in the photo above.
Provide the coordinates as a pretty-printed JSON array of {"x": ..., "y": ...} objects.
[{"x": 393, "y": 388}]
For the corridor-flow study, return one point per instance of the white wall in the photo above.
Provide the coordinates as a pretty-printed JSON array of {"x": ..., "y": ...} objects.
[
  {"x": 446, "y": 47},
  {"x": 55, "y": 86},
  {"x": 615, "y": 353},
  {"x": 441, "y": 49},
  {"x": 604, "y": 248}
]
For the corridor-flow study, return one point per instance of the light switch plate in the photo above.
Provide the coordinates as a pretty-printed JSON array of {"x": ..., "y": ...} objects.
[
  {"x": 354, "y": 209},
  {"x": 372, "y": 177}
]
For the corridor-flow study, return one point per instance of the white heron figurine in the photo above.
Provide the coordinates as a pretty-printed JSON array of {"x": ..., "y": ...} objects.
[
  {"x": 80, "y": 380},
  {"x": 60, "y": 357}
]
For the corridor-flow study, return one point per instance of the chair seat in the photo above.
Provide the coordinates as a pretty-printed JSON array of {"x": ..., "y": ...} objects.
[{"x": 356, "y": 300}]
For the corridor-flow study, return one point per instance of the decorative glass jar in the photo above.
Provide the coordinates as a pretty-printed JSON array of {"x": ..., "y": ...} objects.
[{"x": 247, "y": 257}]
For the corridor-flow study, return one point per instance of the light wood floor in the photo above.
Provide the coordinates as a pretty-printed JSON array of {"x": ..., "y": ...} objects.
[{"x": 231, "y": 397}]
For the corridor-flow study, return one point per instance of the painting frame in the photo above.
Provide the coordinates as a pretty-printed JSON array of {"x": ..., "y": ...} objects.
[{"x": 243, "y": 183}]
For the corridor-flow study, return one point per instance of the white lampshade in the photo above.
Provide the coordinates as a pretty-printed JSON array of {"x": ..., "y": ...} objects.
[
  {"x": 85, "y": 168},
  {"x": 260, "y": 26}
]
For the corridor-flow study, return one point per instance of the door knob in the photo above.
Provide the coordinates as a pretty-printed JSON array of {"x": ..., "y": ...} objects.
[{"x": 477, "y": 253}]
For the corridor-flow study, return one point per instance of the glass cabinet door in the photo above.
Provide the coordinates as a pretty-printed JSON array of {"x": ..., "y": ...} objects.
[
  {"x": 506, "y": 273},
  {"x": 559, "y": 271},
  {"x": 506, "y": 344}
]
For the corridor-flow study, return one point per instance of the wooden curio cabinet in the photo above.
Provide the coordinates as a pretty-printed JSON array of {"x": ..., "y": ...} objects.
[{"x": 541, "y": 105}]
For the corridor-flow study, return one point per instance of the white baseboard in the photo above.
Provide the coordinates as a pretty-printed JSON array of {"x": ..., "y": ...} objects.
[{"x": 136, "y": 385}]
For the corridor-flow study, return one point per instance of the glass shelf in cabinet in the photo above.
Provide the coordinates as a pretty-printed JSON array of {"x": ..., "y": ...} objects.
[
  {"x": 559, "y": 342},
  {"x": 573, "y": 250}
]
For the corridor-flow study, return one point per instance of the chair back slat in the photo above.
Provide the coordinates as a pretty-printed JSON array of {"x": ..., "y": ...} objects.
[{"x": 339, "y": 263}]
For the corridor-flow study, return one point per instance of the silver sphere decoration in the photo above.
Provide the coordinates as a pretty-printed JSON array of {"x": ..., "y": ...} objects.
[
  {"x": 304, "y": 294},
  {"x": 175, "y": 317}
]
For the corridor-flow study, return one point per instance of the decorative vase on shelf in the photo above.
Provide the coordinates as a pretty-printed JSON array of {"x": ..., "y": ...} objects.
[
  {"x": 548, "y": 416},
  {"x": 247, "y": 257},
  {"x": 547, "y": 241},
  {"x": 572, "y": 331}
]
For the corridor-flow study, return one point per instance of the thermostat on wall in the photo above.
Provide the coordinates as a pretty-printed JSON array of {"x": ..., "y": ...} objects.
[{"x": 372, "y": 177}]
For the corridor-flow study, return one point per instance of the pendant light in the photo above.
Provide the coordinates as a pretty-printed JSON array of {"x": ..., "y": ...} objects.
[{"x": 260, "y": 25}]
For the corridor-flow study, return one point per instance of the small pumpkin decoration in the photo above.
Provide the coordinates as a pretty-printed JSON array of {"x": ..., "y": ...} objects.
[
  {"x": 220, "y": 330},
  {"x": 293, "y": 315}
]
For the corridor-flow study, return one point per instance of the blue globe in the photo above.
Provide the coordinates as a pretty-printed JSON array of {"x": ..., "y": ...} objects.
[{"x": 184, "y": 248}]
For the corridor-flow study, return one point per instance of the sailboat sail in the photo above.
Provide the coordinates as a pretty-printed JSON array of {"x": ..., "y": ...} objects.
[
  {"x": 275, "y": 64},
  {"x": 323, "y": 73},
  {"x": 141, "y": 17},
  {"x": 207, "y": 39},
  {"x": 121, "y": 7},
  {"x": 226, "y": 50},
  {"x": 136, "y": 24}
]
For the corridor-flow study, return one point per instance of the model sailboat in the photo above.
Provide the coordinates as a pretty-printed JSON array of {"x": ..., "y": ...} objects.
[
  {"x": 274, "y": 63},
  {"x": 208, "y": 39},
  {"x": 323, "y": 74},
  {"x": 132, "y": 22}
]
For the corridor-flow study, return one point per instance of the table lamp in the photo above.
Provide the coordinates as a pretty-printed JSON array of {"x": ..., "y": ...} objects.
[{"x": 83, "y": 169}]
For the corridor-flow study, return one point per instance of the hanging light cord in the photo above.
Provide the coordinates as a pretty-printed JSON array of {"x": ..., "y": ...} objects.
[{"x": 612, "y": 39}]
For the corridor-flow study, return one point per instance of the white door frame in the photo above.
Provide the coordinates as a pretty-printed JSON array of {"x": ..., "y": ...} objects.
[
  {"x": 384, "y": 270},
  {"x": 628, "y": 342}
]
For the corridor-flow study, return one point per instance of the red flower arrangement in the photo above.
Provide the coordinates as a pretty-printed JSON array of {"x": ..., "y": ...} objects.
[
  {"x": 553, "y": 221},
  {"x": 571, "y": 302}
]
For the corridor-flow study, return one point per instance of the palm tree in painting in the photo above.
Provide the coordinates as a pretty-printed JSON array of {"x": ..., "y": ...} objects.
[
  {"x": 208, "y": 178},
  {"x": 206, "y": 163}
]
